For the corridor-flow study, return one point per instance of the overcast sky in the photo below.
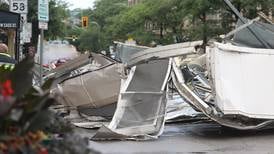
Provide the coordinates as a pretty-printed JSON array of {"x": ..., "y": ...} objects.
[{"x": 84, "y": 4}]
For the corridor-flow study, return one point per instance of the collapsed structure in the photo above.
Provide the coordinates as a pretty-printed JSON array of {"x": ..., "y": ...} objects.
[{"x": 228, "y": 84}]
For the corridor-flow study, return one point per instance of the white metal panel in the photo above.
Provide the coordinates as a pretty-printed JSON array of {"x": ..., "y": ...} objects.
[{"x": 244, "y": 80}]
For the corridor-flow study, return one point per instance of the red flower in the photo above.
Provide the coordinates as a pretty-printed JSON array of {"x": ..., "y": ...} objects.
[
  {"x": 7, "y": 89},
  {"x": 43, "y": 151}
]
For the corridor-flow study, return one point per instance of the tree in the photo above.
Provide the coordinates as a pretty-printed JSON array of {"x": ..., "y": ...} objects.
[
  {"x": 57, "y": 15},
  {"x": 248, "y": 8},
  {"x": 4, "y": 6},
  {"x": 199, "y": 11},
  {"x": 167, "y": 21},
  {"x": 91, "y": 40},
  {"x": 100, "y": 20},
  {"x": 105, "y": 9},
  {"x": 153, "y": 20}
]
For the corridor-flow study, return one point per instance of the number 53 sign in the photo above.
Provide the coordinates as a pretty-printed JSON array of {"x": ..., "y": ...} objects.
[{"x": 19, "y": 6}]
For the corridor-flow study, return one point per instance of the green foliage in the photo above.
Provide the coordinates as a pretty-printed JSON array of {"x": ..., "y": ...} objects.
[
  {"x": 105, "y": 9},
  {"x": 4, "y": 6},
  {"x": 27, "y": 125},
  {"x": 148, "y": 17},
  {"x": 91, "y": 40},
  {"x": 164, "y": 21},
  {"x": 57, "y": 16},
  {"x": 97, "y": 36},
  {"x": 249, "y": 8},
  {"x": 23, "y": 106}
]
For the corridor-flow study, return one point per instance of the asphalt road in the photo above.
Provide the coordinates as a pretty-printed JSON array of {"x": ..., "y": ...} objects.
[{"x": 193, "y": 138}]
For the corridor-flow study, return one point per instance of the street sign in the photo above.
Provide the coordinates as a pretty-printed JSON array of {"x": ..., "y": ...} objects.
[
  {"x": 23, "y": 32},
  {"x": 43, "y": 10},
  {"x": 26, "y": 34},
  {"x": 19, "y": 6},
  {"x": 85, "y": 21},
  {"x": 23, "y": 20},
  {"x": 43, "y": 25}
]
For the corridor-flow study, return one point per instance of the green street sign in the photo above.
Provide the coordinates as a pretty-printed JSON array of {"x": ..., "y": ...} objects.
[{"x": 43, "y": 10}]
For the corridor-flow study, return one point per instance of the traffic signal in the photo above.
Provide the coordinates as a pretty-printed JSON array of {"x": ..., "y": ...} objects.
[
  {"x": 74, "y": 38},
  {"x": 84, "y": 21}
]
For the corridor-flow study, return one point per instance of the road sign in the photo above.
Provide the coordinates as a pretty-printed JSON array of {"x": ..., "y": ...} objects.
[
  {"x": 23, "y": 32},
  {"x": 19, "y": 6},
  {"x": 43, "y": 10},
  {"x": 43, "y": 25},
  {"x": 26, "y": 33},
  {"x": 84, "y": 21}
]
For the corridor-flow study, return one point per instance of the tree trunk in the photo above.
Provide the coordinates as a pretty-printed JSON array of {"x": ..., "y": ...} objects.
[
  {"x": 177, "y": 36},
  {"x": 35, "y": 33},
  {"x": 161, "y": 31},
  {"x": 204, "y": 31}
]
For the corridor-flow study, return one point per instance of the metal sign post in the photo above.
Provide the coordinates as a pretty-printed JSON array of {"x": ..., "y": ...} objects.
[
  {"x": 41, "y": 56},
  {"x": 43, "y": 18},
  {"x": 20, "y": 7}
]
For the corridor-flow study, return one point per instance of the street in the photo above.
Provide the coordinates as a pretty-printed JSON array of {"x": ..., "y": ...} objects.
[{"x": 192, "y": 138}]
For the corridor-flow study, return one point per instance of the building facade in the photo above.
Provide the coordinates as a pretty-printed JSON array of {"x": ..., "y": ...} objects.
[{"x": 133, "y": 2}]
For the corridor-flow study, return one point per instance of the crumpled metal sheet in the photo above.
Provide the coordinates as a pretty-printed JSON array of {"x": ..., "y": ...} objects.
[
  {"x": 69, "y": 66},
  {"x": 106, "y": 111},
  {"x": 107, "y": 134},
  {"x": 240, "y": 122},
  {"x": 124, "y": 51},
  {"x": 246, "y": 38},
  {"x": 178, "y": 110},
  {"x": 141, "y": 107},
  {"x": 133, "y": 122},
  {"x": 88, "y": 122},
  {"x": 91, "y": 118},
  {"x": 95, "y": 88},
  {"x": 101, "y": 60},
  {"x": 239, "y": 73},
  {"x": 164, "y": 52}
]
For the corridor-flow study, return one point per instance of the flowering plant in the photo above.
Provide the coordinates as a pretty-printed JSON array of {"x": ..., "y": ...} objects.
[
  {"x": 6, "y": 89},
  {"x": 26, "y": 122},
  {"x": 20, "y": 108}
]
